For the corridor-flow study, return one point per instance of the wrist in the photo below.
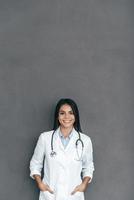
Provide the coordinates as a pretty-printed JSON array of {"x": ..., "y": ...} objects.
[
  {"x": 86, "y": 180},
  {"x": 39, "y": 183},
  {"x": 85, "y": 184},
  {"x": 38, "y": 179}
]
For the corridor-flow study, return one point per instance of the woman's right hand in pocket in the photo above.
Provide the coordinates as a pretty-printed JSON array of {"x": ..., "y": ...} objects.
[{"x": 44, "y": 187}]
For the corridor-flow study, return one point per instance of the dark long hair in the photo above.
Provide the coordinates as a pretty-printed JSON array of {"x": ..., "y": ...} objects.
[{"x": 75, "y": 110}]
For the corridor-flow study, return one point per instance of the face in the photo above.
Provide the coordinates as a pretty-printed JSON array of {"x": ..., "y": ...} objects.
[{"x": 66, "y": 116}]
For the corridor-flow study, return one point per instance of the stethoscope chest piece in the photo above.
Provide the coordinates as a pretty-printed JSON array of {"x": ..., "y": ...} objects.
[{"x": 53, "y": 154}]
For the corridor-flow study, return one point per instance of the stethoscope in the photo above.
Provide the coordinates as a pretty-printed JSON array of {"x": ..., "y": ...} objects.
[{"x": 79, "y": 155}]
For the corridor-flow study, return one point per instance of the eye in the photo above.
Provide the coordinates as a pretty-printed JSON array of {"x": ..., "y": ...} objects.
[
  {"x": 61, "y": 113},
  {"x": 71, "y": 112}
]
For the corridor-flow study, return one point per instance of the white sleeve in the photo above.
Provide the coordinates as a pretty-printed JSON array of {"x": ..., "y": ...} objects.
[
  {"x": 36, "y": 163},
  {"x": 87, "y": 162}
]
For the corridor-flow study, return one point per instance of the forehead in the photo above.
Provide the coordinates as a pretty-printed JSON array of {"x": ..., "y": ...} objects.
[{"x": 65, "y": 107}]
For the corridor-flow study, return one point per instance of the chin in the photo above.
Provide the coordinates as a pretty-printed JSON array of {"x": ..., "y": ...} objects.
[{"x": 67, "y": 125}]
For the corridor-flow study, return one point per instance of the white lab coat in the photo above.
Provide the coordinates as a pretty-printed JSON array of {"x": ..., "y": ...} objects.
[{"x": 63, "y": 172}]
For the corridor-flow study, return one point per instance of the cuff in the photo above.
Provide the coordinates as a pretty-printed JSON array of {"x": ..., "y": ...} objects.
[
  {"x": 33, "y": 173},
  {"x": 88, "y": 175}
]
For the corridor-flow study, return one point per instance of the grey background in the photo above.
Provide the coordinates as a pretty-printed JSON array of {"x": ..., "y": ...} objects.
[{"x": 67, "y": 48}]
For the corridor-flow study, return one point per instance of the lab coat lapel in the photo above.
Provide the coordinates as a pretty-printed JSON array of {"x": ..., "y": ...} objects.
[
  {"x": 58, "y": 143},
  {"x": 57, "y": 140},
  {"x": 72, "y": 140}
]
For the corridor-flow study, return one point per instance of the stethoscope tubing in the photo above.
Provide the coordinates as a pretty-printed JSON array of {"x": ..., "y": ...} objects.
[{"x": 53, "y": 153}]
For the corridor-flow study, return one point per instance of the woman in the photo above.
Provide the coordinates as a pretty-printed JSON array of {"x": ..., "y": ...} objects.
[{"x": 66, "y": 155}]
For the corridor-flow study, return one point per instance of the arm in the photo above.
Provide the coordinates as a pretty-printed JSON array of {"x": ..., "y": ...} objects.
[
  {"x": 36, "y": 162},
  {"x": 83, "y": 186},
  {"x": 87, "y": 163},
  {"x": 87, "y": 169},
  {"x": 86, "y": 180},
  {"x": 37, "y": 179},
  {"x": 42, "y": 186}
]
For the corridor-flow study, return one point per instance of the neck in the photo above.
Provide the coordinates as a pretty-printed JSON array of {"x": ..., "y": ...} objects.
[{"x": 66, "y": 131}]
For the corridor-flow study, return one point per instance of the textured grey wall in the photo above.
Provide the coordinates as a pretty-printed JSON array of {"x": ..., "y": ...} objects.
[{"x": 78, "y": 49}]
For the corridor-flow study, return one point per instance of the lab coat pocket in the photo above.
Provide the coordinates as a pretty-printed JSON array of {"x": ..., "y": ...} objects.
[
  {"x": 77, "y": 196},
  {"x": 48, "y": 196}
]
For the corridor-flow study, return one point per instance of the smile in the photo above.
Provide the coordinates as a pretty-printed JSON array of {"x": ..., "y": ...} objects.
[{"x": 67, "y": 121}]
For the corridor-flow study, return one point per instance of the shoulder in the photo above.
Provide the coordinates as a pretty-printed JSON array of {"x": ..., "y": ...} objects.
[
  {"x": 46, "y": 134},
  {"x": 86, "y": 139},
  {"x": 85, "y": 136}
]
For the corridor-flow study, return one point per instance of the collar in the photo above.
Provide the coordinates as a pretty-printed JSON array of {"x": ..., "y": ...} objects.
[
  {"x": 69, "y": 136},
  {"x": 58, "y": 132}
]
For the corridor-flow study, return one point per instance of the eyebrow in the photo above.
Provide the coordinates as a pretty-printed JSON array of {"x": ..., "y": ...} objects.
[{"x": 65, "y": 111}]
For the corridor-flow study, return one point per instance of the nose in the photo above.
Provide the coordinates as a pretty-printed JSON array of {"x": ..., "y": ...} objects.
[{"x": 66, "y": 116}]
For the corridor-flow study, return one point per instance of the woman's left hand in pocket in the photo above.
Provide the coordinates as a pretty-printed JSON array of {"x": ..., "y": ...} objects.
[{"x": 80, "y": 188}]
